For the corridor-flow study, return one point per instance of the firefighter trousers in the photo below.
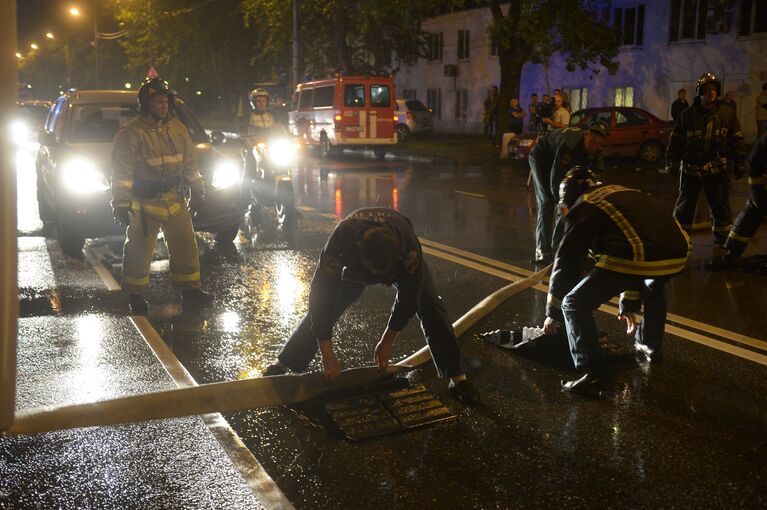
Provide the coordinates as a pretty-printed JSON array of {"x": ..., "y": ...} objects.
[
  {"x": 140, "y": 242},
  {"x": 748, "y": 221},
  {"x": 717, "y": 189},
  {"x": 547, "y": 236},
  {"x": 598, "y": 287},
  {"x": 300, "y": 349}
]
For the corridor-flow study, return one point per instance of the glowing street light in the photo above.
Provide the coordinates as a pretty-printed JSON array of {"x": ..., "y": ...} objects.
[
  {"x": 49, "y": 35},
  {"x": 74, "y": 11},
  {"x": 18, "y": 55},
  {"x": 34, "y": 46}
]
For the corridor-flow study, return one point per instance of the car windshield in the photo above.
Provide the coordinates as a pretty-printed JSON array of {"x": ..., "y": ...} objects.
[
  {"x": 98, "y": 123},
  {"x": 416, "y": 105}
]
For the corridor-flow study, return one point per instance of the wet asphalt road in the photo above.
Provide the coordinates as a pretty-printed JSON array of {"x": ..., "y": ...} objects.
[{"x": 688, "y": 433}]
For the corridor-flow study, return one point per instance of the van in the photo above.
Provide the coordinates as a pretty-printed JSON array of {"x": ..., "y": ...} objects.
[{"x": 346, "y": 111}]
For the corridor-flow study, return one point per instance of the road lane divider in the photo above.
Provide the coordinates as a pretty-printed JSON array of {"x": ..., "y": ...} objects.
[
  {"x": 106, "y": 276},
  {"x": 467, "y": 193}
]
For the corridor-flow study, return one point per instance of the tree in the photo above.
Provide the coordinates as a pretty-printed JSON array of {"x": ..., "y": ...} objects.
[{"x": 546, "y": 27}]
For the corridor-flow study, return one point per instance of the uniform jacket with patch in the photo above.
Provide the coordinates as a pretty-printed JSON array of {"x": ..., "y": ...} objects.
[
  {"x": 340, "y": 261},
  {"x": 148, "y": 155},
  {"x": 626, "y": 232}
]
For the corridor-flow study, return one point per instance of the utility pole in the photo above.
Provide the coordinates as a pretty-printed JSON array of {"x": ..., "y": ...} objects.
[
  {"x": 96, "y": 49},
  {"x": 296, "y": 77}
]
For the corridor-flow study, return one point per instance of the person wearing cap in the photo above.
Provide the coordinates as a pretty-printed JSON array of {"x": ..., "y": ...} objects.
[
  {"x": 153, "y": 162},
  {"x": 554, "y": 153},
  {"x": 371, "y": 246},
  {"x": 639, "y": 246},
  {"x": 705, "y": 139}
]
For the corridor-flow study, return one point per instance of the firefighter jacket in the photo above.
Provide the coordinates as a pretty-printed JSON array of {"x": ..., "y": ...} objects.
[
  {"x": 259, "y": 122},
  {"x": 626, "y": 232},
  {"x": 340, "y": 262},
  {"x": 704, "y": 139},
  {"x": 560, "y": 150},
  {"x": 151, "y": 163}
]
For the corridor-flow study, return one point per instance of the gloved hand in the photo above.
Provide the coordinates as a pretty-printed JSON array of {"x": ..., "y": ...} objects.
[
  {"x": 740, "y": 170},
  {"x": 196, "y": 200},
  {"x": 672, "y": 168},
  {"x": 122, "y": 215}
]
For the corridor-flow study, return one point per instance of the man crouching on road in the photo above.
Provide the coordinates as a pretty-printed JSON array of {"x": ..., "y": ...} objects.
[
  {"x": 370, "y": 246},
  {"x": 639, "y": 249}
]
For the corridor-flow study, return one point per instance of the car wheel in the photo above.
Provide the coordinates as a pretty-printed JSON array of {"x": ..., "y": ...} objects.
[
  {"x": 70, "y": 240},
  {"x": 403, "y": 133},
  {"x": 226, "y": 234},
  {"x": 651, "y": 151},
  {"x": 324, "y": 146},
  {"x": 285, "y": 204},
  {"x": 380, "y": 153}
]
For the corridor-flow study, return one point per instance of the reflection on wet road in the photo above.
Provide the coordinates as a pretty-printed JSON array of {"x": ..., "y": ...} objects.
[{"x": 688, "y": 433}]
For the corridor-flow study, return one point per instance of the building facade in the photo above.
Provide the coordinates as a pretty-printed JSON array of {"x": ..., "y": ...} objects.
[{"x": 666, "y": 45}]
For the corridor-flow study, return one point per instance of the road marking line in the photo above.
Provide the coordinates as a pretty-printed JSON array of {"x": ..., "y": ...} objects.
[
  {"x": 477, "y": 195},
  {"x": 103, "y": 273},
  {"x": 613, "y": 309}
]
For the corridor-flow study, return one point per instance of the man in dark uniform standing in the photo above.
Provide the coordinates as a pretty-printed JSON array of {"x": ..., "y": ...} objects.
[
  {"x": 705, "y": 137},
  {"x": 640, "y": 247},
  {"x": 753, "y": 213},
  {"x": 374, "y": 246},
  {"x": 554, "y": 153},
  {"x": 680, "y": 104}
]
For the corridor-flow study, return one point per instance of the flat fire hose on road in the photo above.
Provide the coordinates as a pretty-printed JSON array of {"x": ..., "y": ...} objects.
[{"x": 232, "y": 396}]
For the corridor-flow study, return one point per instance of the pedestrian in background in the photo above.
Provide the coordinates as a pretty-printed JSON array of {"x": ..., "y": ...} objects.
[
  {"x": 729, "y": 101},
  {"x": 544, "y": 110},
  {"x": 680, "y": 104},
  {"x": 705, "y": 138},
  {"x": 532, "y": 109},
  {"x": 761, "y": 112},
  {"x": 490, "y": 115},
  {"x": 552, "y": 156},
  {"x": 153, "y": 161},
  {"x": 560, "y": 117},
  {"x": 374, "y": 246},
  {"x": 516, "y": 117}
]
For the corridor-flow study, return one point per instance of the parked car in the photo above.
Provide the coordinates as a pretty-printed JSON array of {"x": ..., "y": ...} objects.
[
  {"x": 346, "y": 111},
  {"x": 413, "y": 117},
  {"x": 29, "y": 119},
  {"x": 633, "y": 133},
  {"x": 73, "y": 168}
]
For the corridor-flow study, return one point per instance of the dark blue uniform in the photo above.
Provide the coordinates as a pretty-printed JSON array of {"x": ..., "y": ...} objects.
[
  {"x": 340, "y": 279},
  {"x": 755, "y": 210}
]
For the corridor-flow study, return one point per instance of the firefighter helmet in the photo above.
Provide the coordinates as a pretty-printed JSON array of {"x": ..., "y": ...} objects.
[
  {"x": 578, "y": 179},
  {"x": 151, "y": 87},
  {"x": 706, "y": 79},
  {"x": 259, "y": 92}
]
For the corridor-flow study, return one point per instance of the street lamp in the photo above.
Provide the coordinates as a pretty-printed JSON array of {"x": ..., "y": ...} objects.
[
  {"x": 74, "y": 11},
  {"x": 49, "y": 35}
]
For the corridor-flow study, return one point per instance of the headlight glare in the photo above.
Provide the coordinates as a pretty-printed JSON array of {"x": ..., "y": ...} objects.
[
  {"x": 282, "y": 152},
  {"x": 82, "y": 176},
  {"x": 227, "y": 173}
]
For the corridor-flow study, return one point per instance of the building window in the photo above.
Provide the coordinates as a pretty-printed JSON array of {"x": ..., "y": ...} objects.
[
  {"x": 630, "y": 22},
  {"x": 461, "y": 104},
  {"x": 434, "y": 47},
  {"x": 753, "y": 17},
  {"x": 434, "y": 101},
  {"x": 408, "y": 94},
  {"x": 688, "y": 20},
  {"x": 624, "y": 96},
  {"x": 578, "y": 98},
  {"x": 493, "y": 46},
  {"x": 463, "y": 44}
]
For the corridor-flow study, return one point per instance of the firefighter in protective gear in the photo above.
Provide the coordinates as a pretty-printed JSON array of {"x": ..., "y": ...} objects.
[
  {"x": 374, "y": 246},
  {"x": 753, "y": 213},
  {"x": 554, "y": 153},
  {"x": 153, "y": 161},
  {"x": 261, "y": 119},
  {"x": 705, "y": 139},
  {"x": 639, "y": 248}
]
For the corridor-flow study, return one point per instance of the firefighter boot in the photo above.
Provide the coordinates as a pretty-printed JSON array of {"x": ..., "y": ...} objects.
[
  {"x": 196, "y": 298},
  {"x": 138, "y": 305},
  {"x": 464, "y": 392}
]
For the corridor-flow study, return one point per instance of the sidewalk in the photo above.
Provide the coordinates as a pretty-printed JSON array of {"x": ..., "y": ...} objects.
[{"x": 75, "y": 345}]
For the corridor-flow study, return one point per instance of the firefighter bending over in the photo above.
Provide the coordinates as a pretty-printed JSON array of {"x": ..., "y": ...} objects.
[
  {"x": 153, "y": 161},
  {"x": 640, "y": 248}
]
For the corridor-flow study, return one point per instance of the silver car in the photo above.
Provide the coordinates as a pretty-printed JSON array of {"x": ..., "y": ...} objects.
[{"x": 413, "y": 117}]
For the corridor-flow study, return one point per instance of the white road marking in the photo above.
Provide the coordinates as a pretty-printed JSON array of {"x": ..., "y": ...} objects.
[
  {"x": 103, "y": 273},
  {"x": 476, "y": 195}
]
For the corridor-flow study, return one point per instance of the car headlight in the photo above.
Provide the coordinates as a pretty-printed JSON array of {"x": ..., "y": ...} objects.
[
  {"x": 527, "y": 142},
  {"x": 82, "y": 176},
  {"x": 226, "y": 173},
  {"x": 282, "y": 152},
  {"x": 20, "y": 132}
]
